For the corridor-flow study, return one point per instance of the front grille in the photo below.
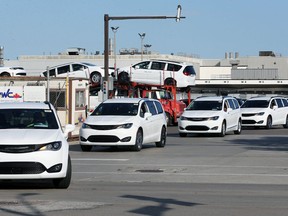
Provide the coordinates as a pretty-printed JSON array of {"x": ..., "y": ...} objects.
[
  {"x": 18, "y": 148},
  {"x": 103, "y": 138},
  {"x": 104, "y": 127},
  {"x": 248, "y": 114},
  {"x": 248, "y": 122},
  {"x": 197, "y": 128},
  {"x": 21, "y": 168},
  {"x": 197, "y": 119}
]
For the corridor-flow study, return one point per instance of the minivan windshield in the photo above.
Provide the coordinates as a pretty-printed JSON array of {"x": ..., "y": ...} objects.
[
  {"x": 116, "y": 109},
  {"x": 205, "y": 105},
  {"x": 27, "y": 118},
  {"x": 256, "y": 104}
]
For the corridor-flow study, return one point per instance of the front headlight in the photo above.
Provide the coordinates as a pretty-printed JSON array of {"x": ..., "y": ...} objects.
[
  {"x": 53, "y": 146},
  {"x": 183, "y": 118},
  {"x": 214, "y": 118},
  {"x": 125, "y": 126},
  {"x": 260, "y": 114},
  {"x": 85, "y": 125}
]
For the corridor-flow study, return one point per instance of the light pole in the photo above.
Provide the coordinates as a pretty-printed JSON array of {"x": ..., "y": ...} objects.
[
  {"x": 146, "y": 47},
  {"x": 107, "y": 18},
  {"x": 114, "y": 29},
  {"x": 142, "y": 36}
]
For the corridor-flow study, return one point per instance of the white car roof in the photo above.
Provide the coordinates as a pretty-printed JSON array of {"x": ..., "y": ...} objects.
[
  {"x": 26, "y": 105},
  {"x": 210, "y": 98},
  {"x": 267, "y": 98},
  {"x": 127, "y": 100}
]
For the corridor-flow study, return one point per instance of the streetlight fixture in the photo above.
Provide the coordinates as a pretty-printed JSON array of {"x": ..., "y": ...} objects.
[
  {"x": 146, "y": 47},
  {"x": 114, "y": 29},
  {"x": 142, "y": 36}
]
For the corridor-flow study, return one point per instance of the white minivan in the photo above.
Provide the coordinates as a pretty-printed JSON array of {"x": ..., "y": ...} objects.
[
  {"x": 79, "y": 70},
  {"x": 159, "y": 72},
  {"x": 265, "y": 111}
]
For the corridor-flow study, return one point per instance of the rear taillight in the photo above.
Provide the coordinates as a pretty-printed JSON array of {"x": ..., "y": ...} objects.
[{"x": 186, "y": 73}]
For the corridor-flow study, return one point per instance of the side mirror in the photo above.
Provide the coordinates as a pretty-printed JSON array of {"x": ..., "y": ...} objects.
[
  {"x": 68, "y": 128},
  {"x": 229, "y": 109},
  {"x": 147, "y": 115}
]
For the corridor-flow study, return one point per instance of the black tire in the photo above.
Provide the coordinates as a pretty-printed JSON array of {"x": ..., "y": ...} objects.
[
  {"x": 286, "y": 123},
  {"x": 168, "y": 119},
  {"x": 5, "y": 74},
  {"x": 95, "y": 78},
  {"x": 269, "y": 122},
  {"x": 223, "y": 130},
  {"x": 139, "y": 141},
  {"x": 170, "y": 81},
  {"x": 239, "y": 128},
  {"x": 123, "y": 77},
  {"x": 63, "y": 183},
  {"x": 162, "y": 141},
  {"x": 182, "y": 134},
  {"x": 86, "y": 148}
]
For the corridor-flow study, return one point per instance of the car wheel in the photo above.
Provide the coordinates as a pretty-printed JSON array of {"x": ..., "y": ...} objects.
[
  {"x": 223, "y": 130},
  {"x": 162, "y": 141},
  {"x": 239, "y": 128},
  {"x": 269, "y": 123},
  {"x": 138, "y": 141},
  {"x": 286, "y": 123},
  {"x": 170, "y": 81},
  {"x": 123, "y": 77},
  {"x": 64, "y": 183},
  {"x": 182, "y": 134},
  {"x": 168, "y": 119},
  {"x": 5, "y": 74},
  {"x": 95, "y": 78},
  {"x": 86, "y": 148}
]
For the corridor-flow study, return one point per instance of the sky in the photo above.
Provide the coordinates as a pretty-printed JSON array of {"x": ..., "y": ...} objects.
[{"x": 211, "y": 27}]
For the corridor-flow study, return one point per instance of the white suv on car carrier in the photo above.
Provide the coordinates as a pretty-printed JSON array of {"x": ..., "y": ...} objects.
[
  {"x": 79, "y": 70},
  {"x": 158, "y": 72},
  {"x": 215, "y": 114},
  {"x": 265, "y": 111},
  {"x": 12, "y": 71}
]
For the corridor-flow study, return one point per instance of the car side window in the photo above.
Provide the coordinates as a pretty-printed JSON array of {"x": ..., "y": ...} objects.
[
  {"x": 151, "y": 107},
  {"x": 143, "y": 110},
  {"x": 52, "y": 72},
  {"x": 142, "y": 65},
  {"x": 225, "y": 106},
  {"x": 64, "y": 69},
  {"x": 231, "y": 104},
  {"x": 77, "y": 67},
  {"x": 279, "y": 102},
  {"x": 173, "y": 67},
  {"x": 285, "y": 102},
  {"x": 157, "y": 66},
  {"x": 236, "y": 103},
  {"x": 159, "y": 106},
  {"x": 273, "y": 103}
]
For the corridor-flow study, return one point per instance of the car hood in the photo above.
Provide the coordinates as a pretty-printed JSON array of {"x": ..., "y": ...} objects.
[
  {"x": 28, "y": 136},
  {"x": 109, "y": 120},
  {"x": 201, "y": 113},
  {"x": 252, "y": 110}
]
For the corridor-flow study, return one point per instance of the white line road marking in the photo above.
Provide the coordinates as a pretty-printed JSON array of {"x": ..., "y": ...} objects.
[{"x": 97, "y": 159}]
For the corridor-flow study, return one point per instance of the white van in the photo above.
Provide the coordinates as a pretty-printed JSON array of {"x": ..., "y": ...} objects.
[{"x": 79, "y": 70}]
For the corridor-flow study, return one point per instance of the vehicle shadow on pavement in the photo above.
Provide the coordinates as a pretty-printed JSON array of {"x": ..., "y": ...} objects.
[
  {"x": 163, "y": 206},
  {"x": 25, "y": 184},
  {"x": 77, "y": 148},
  {"x": 268, "y": 143}
]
